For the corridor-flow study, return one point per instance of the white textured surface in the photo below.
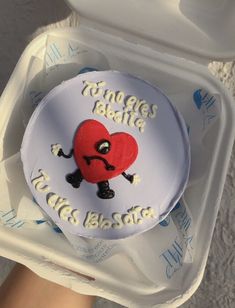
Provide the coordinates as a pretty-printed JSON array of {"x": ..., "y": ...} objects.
[{"x": 20, "y": 20}]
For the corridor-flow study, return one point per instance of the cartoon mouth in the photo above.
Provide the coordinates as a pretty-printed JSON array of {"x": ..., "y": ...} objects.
[{"x": 88, "y": 160}]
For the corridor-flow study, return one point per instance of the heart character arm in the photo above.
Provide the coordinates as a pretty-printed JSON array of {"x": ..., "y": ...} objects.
[
  {"x": 56, "y": 149},
  {"x": 132, "y": 178}
]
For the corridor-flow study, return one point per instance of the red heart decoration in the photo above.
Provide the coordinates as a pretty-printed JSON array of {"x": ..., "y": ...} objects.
[{"x": 93, "y": 164}]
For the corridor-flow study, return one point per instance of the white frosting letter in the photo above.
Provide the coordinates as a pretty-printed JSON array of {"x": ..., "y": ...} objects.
[
  {"x": 91, "y": 220},
  {"x": 109, "y": 112},
  {"x": 144, "y": 110},
  {"x": 148, "y": 213},
  {"x": 117, "y": 117},
  {"x": 38, "y": 182},
  {"x": 128, "y": 219},
  {"x": 110, "y": 96},
  {"x": 140, "y": 123},
  {"x": 64, "y": 212},
  {"x": 105, "y": 224},
  {"x": 93, "y": 88},
  {"x": 74, "y": 219},
  {"x": 117, "y": 217},
  {"x": 135, "y": 211},
  {"x": 51, "y": 200},
  {"x": 154, "y": 111},
  {"x": 120, "y": 97},
  {"x": 130, "y": 102},
  {"x": 99, "y": 108}
]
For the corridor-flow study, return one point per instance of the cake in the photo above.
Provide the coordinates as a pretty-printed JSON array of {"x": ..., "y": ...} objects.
[{"x": 106, "y": 155}]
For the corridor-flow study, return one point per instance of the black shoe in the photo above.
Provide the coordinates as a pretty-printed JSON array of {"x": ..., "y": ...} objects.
[
  {"x": 104, "y": 191},
  {"x": 106, "y": 194},
  {"x": 71, "y": 179}
]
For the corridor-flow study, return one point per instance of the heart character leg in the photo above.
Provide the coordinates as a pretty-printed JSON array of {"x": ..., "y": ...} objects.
[
  {"x": 75, "y": 178},
  {"x": 104, "y": 192}
]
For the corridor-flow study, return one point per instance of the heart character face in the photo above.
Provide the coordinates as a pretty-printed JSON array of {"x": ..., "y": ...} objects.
[{"x": 101, "y": 156}]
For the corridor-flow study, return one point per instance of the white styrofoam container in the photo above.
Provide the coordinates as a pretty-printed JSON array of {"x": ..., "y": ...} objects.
[{"x": 135, "y": 45}]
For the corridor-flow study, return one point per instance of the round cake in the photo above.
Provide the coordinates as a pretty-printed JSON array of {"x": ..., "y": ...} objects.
[{"x": 106, "y": 155}]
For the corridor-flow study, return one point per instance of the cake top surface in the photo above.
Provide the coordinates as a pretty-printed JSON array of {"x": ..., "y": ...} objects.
[{"x": 106, "y": 155}]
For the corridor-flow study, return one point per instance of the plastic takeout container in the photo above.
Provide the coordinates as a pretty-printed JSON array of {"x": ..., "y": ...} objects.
[{"x": 168, "y": 44}]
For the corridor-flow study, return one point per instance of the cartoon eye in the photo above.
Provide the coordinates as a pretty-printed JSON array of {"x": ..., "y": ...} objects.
[{"x": 103, "y": 146}]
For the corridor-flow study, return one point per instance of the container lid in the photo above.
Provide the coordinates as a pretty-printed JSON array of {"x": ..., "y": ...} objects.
[{"x": 195, "y": 28}]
